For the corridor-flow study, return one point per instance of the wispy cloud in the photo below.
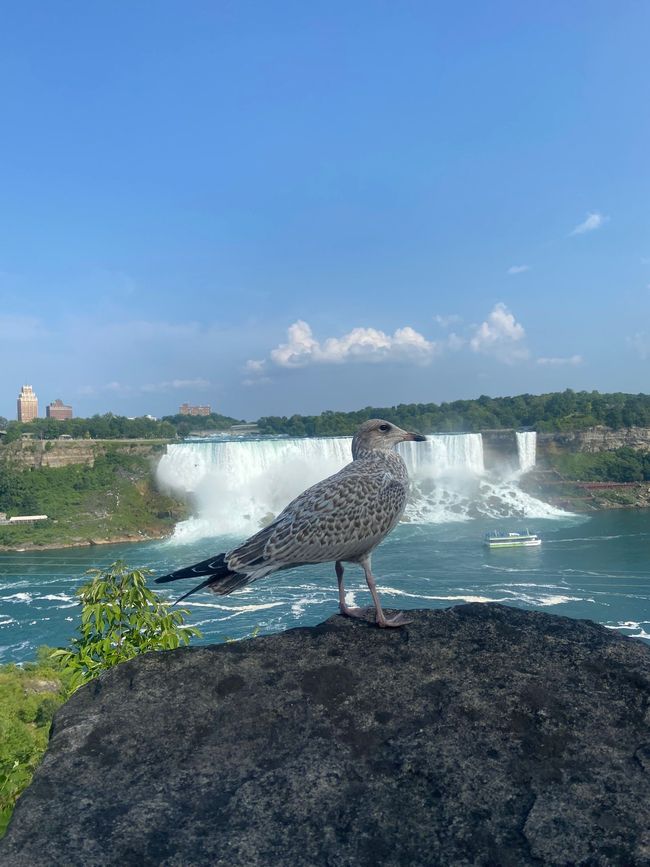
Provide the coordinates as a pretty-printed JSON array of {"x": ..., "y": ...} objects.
[
  {"x": 261, "y": 380},
  {"x": 175, "y": 384},
  {"x": 640, "y": 343},
  {"x": 446, "y": 321},
  {"x": 16, "y": 327},
  {"x": 571, "y": 360},
  {"x": 518, "y": 269},
  {"x": 124, "y": 389},
  {"x": 593, "y": 221},
  {"x": 500, "y": 336}
]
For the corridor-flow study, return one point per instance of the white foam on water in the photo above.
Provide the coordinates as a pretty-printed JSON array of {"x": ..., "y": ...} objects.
[
  {"x": 561, "y": 600},
  {"x": 238, "y": 486},
  {"x": 299, "y": 605},
  {"x": 392, "y": 591},
  {"x": 238, "y": 609},
  {"x": 58, "y": 597},
  {"x": 630, "y": 626},
  {"x": 18, "y": 597},
  {"x": 17, "y": 648},
  {"x": 542, "y": 599}
]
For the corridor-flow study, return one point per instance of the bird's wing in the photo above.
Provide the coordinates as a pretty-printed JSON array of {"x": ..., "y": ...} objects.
[{"x": 342, "y": 517}]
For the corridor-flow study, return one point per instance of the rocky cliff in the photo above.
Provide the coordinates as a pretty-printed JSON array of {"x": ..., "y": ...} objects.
[
  {"x": 479, "y": 735},
  {"x": 595, "y": 439},
  {"x": 33, "y": 453}
]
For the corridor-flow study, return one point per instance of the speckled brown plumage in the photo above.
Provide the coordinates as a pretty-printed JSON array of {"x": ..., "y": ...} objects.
[{"x": 341, "y": 519}]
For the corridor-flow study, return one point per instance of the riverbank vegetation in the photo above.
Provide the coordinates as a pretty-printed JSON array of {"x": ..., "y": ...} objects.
[
  {"x": 620, "y": 465},
  {"x": 558, "y": 411},
  {"x": 115, "y": 498},
  {"x": 29, "y": 696},
  {"x": 109, "y": 426},
  {"x": 120, "y": 618}
]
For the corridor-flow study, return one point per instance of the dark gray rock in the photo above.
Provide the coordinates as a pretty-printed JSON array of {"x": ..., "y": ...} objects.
[{"x": 480, "y": 735}]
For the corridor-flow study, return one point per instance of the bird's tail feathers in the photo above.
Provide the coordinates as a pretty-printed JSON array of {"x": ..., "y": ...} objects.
[{"x": 220, "y": 579}]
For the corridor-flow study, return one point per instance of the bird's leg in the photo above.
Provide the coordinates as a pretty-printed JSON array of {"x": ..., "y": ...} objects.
[
  {"x": 382, "y": 620},
  {"x": 345, "y": 609}
]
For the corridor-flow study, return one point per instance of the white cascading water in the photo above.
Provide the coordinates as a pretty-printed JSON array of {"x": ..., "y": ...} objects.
[
  {"x": 526, "y": 450},
  {"x": 237, "y": 486}
]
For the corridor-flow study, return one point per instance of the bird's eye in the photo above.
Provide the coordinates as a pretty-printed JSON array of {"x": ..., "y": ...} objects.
[{"x": 384, "y": 427}]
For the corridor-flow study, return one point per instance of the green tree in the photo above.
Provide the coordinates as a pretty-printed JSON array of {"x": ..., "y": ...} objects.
[{"x": 120, "y": 618}]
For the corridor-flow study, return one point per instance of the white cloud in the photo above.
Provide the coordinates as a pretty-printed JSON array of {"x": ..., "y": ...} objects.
[
  {"x": 255, "y": 366},
  {"x": 500, "y": 336},
  {"x": 640, "y": 342},
  {"x": 359, "y": 344},
  {"x": 124, "y": 389},
  {"x": 262, "y": 380},
  {"x": 518, "y": 269},
  {"x": 118, "y": 387},
  {"x": 454, "y": 342},
  {"x": 21, "y": 328},
  {"x": 592, "y": 221},
  {"x": 186, "y": 384},
  {"x": 559, "y": 362},
  {"x": 446, "y": 321}
]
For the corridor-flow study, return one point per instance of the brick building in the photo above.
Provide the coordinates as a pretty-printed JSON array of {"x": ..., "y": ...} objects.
[
  {"x": 27, "y": 404},
  {"x": 186, "y": 409},
  {"x": 58, "y": 410}
]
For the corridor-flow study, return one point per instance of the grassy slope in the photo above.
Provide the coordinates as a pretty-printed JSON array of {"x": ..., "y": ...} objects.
[
  {"x": 29, "y": 695},
  {"x": 115, "y": 498}
]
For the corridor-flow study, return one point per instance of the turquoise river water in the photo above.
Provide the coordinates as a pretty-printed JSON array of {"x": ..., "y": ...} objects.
[{"x": 595, "y": 567}]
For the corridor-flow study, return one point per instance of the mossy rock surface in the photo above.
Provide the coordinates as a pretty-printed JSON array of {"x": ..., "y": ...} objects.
[{"x": 478, "y": 735}]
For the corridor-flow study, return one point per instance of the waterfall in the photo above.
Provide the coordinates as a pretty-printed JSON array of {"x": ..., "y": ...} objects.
[
  {"x": 444, "y": 454},
  {"x": 239, "y": 485},
  {"x": 236, "y": 486},
  {"x": 527, "y": 450}
]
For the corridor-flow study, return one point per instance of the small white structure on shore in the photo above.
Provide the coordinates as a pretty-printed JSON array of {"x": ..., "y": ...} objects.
[{"x": 21, "y": 519}]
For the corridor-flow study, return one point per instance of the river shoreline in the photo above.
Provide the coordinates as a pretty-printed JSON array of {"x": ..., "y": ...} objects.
[
  {"x": 565, "y": 502},
  {"x": 123, "y": 539}
]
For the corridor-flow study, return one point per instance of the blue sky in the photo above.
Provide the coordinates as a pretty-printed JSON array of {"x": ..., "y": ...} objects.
[{"x": 291, "y": 207}]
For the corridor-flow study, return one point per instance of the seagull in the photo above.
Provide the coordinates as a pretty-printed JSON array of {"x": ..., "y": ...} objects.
[{"x": 341, "y": 519}]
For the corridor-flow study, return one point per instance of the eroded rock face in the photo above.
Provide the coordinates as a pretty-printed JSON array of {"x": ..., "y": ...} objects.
[{"x": 479, "y": 735}]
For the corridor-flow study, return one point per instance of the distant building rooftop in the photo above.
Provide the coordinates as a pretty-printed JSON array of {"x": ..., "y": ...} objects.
[{"x": 187, "y": 409}]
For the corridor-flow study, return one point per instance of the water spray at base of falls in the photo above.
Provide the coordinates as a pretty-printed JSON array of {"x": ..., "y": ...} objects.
[{"x": 238, "y": 486}]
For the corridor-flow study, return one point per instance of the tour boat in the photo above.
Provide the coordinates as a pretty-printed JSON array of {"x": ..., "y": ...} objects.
[{"x": 503, "y": 539}]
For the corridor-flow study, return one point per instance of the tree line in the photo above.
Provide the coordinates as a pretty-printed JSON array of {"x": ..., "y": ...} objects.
[
  {"x": 109, "y": 426},
  {"x": 556, "y": 411}
]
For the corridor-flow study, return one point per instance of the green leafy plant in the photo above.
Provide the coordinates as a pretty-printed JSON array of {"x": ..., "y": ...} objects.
[{"x": 120, "y": 618}]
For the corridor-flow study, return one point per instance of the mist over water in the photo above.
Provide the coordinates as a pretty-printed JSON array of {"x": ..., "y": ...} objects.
[{"x": 237, "y": 486}]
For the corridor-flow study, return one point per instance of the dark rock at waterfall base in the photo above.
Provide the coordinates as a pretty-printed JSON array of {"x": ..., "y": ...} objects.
[{"x": 479, "y": 735}]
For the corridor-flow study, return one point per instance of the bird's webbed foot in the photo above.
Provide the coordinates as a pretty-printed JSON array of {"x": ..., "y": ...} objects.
[
  {"x": 396, "y": 621},
  {"x": 358, "y": 613}
]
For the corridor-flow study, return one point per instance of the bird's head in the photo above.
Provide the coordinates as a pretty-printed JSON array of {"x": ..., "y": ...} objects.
[{"x": 379, "y": 434}]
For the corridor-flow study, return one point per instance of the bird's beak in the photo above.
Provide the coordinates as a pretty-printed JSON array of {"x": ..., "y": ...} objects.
[{"x": 414, "y": 437}]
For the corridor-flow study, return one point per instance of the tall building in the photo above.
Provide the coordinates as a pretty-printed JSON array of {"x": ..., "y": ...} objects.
[
  {"x": 27, "y": 404},
  {"x": 58, "y": 410},
  {"x": 186, "y": 409}
]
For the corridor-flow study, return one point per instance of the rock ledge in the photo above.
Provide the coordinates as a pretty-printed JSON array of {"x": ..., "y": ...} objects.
[{"x": 479, "y": 735}]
